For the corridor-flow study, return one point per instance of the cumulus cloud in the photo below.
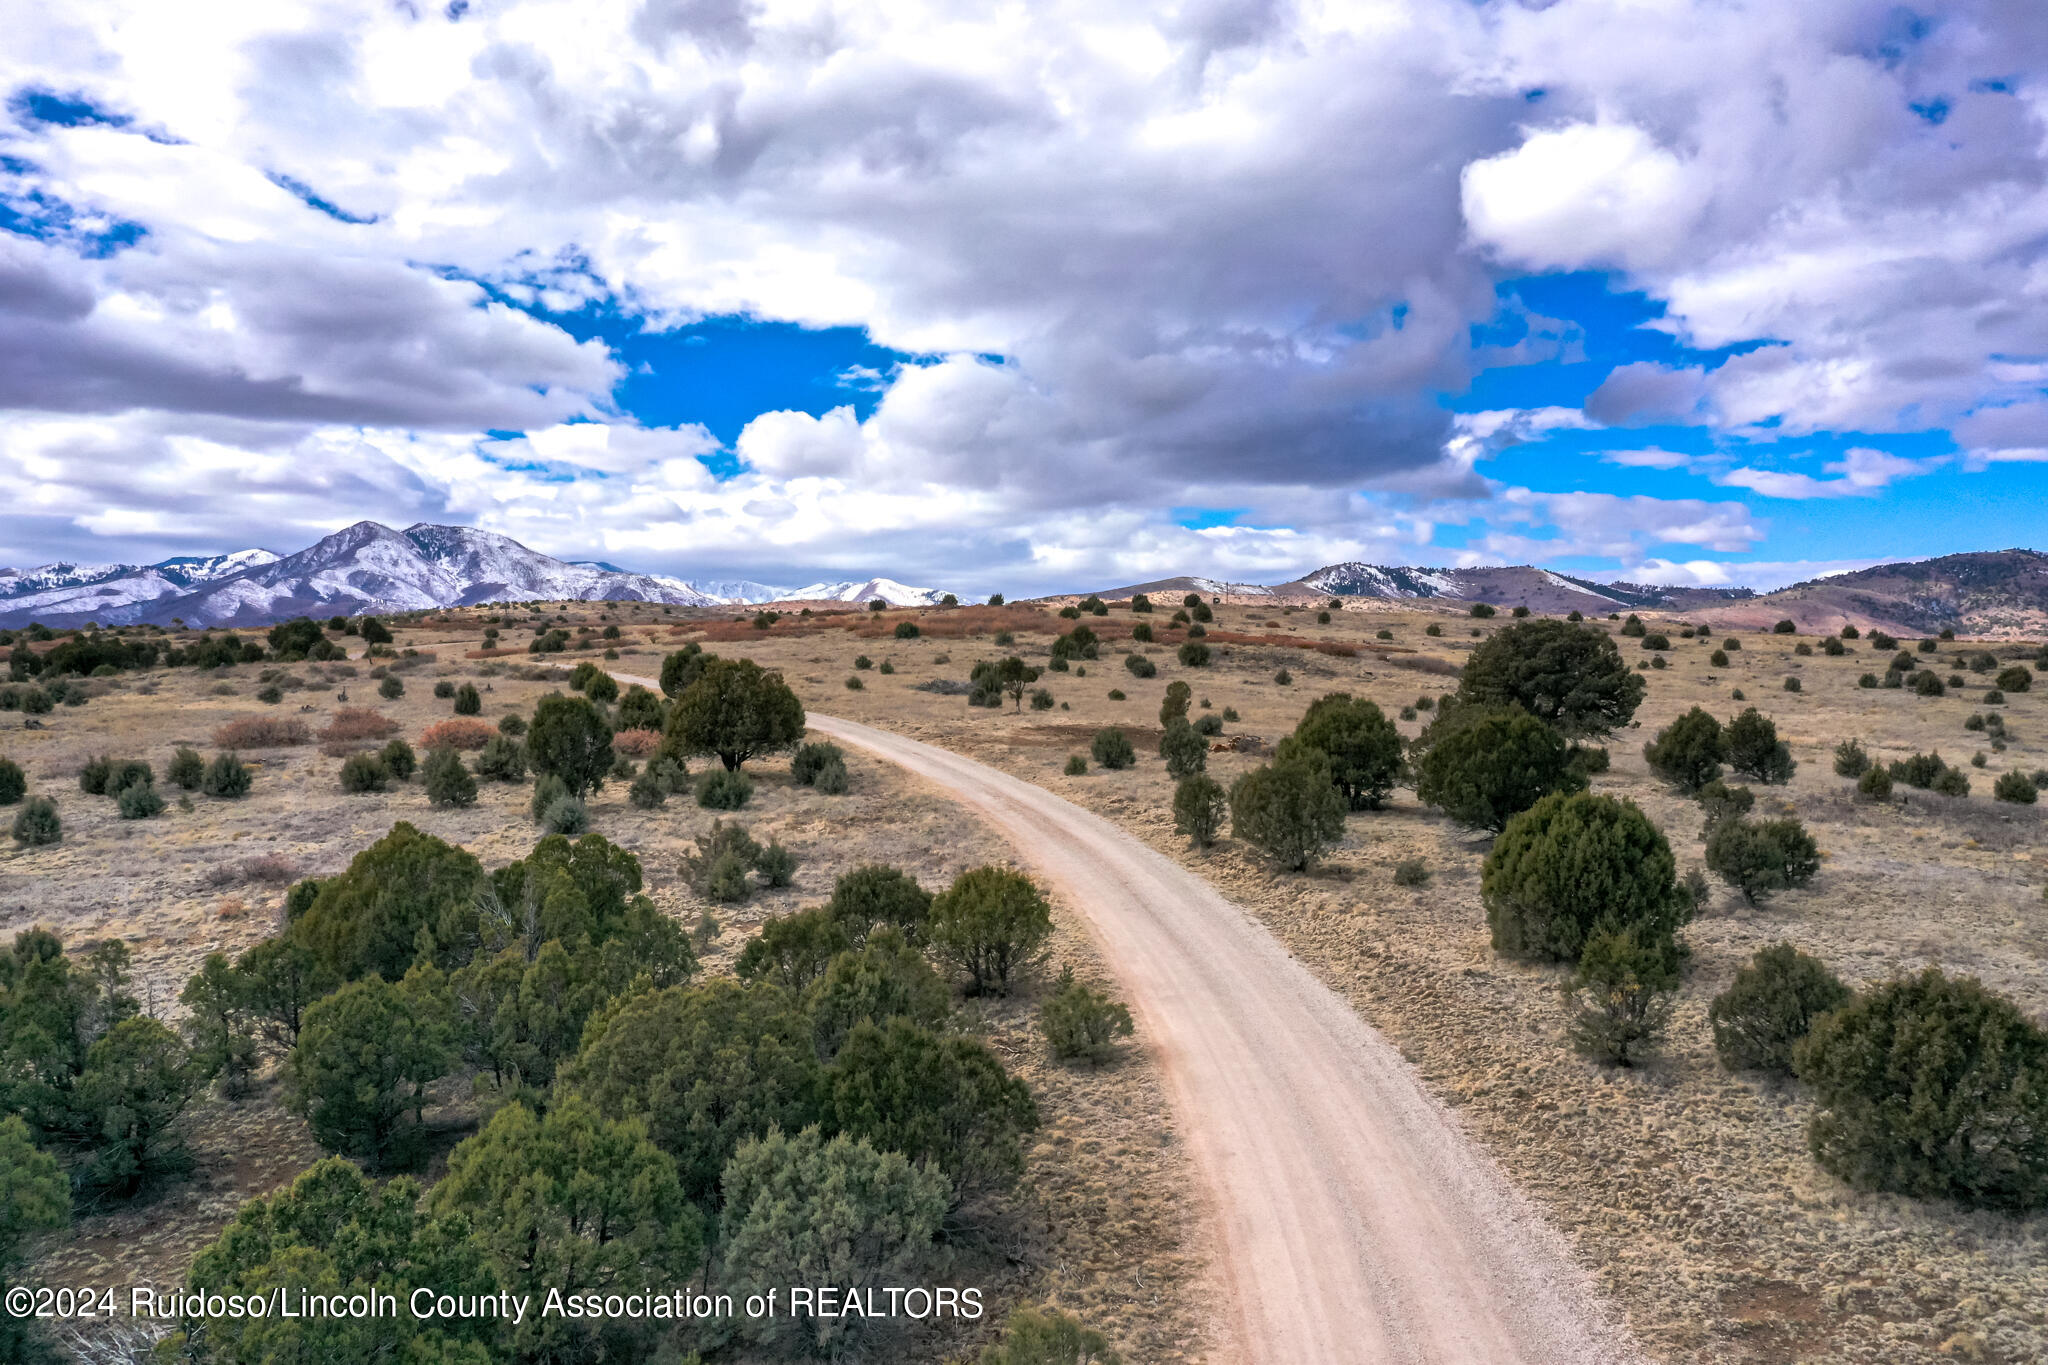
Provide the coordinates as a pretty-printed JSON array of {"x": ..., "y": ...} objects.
[
  {"x": 1224, "y": 254},
  {"x": 1862, "y": 473}
]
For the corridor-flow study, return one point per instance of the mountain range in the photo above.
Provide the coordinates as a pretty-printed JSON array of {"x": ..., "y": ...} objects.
[
  {"x": 368, "y": 567},
  {"x": 1989, "y": 594}
]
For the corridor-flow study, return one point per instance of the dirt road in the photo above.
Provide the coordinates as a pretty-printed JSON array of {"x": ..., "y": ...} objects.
[{"x": 1358, "y": 1223}]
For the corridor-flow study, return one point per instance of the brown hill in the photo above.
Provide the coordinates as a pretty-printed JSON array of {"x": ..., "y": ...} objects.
[{"x": 1997, "y": 594}]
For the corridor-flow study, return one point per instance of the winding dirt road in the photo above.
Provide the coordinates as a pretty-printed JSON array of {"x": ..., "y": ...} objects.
[{"x": 1357, "y": 1221}]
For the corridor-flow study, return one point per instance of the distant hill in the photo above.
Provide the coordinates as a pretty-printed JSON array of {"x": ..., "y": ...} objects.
[
  {"x": 2001, "y": 593},
  {"x": 1985, "y": 595}
]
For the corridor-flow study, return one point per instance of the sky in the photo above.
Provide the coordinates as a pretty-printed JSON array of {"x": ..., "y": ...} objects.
[{"x": 1030, "y": 297}]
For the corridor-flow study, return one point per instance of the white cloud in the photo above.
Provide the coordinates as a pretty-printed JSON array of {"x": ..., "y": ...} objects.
[
  {"x": 1863, "y": 473},
  {"x": 1763, "y": 575},
  {"x": 1588, "y": 194}
]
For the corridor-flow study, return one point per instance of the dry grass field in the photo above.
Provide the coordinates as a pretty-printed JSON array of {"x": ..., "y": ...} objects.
[
  {"x": 1104, "y": 1225},
  {"x": 1686, "y": 1191}
]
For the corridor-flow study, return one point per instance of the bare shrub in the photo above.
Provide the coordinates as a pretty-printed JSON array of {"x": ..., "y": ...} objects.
[
  {"x": 262, "y": 732},
  {"x": 636, "y": 743},
  {"x": 463, "y": 732}
]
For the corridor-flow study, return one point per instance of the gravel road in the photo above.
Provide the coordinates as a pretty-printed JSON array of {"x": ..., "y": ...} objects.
[{"x": 1357, "y": 1222}]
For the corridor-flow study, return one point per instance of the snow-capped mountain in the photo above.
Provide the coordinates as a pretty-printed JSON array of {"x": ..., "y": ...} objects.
[
  {"x": 368, "y": 567},
  {"x": 887, "y": 589},
  {"x": 103, "y": 592}
]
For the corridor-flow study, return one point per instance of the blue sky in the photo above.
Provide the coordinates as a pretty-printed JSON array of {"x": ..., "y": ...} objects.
[{"x": 1085, "y": 295}]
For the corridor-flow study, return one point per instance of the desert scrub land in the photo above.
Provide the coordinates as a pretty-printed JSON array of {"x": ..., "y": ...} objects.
[
  {"x": 1101, "y": 1223},
  {"x": 1686, "y": 1189}
]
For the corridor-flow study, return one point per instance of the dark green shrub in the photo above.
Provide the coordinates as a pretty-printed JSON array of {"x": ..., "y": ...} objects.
[
  {"x": 1719, "y": 801},
  {"x": 854, "y": 684},
  {"x": 831, "y": 779},
  {"x": 366, "y": 1055},
  {"x": 1867, "y": 680},
  {"x": 570, "y": 739},
  {"x": 1112, "y": 750},
  {"x": 907, "y": 630},
  {"x": 1572, "y": 677},
  {"x": 227, "y": 776},
  {"x": 1140, "y": 666},
  {"x": 1620, "y": 995},
  {"x": 1932, "y": 1087},
  {"x": 1081, "y": 1024},
  {"x": 390, "y": 687},
  {"x": 1411, "y": 872},
  {"x": 1184, "y": 750},
  {"x": 2015, "y": 787},
  {"x": 1655, "y": 641},
  {"x": 1687, "y": 753},
  {"x": 1175, "y": 703},
  {"x": 364, "y": 772},
  {"x": 1926, "y": 684},
  {"x": 1753, "y": 748},
  {"x": 649, "y": 790},
  {"x": 139, "y": 802},
  {"x": 2014, "y": 679},
  {"x": 1047, "y": 1336},
  {"x": 1194, "y": 654},
  {"x": 565, "y": 815},
  {"x": 811, "y": 759},
  {"x": 1283, "y": 678},
  {"x": 1880, "y": 640},
  {"x": 1719, "y": 658},
  {"x": 445, "y": 689},
  {"x": 1833, "y": 647},
  {"x": 1792, "y": 684},
  {"x": 399, "y": 759},
  {"x": 1770, "y": 1006},
  {"x": 1762, "y": 857},
  {"x": 989, "y": 924},
  {"x": 37, "y": 823},
  {"x": 776, "y": 864},
  {"x": 1142, "y": 632},
  {"x": 513, "y": 727},
  {"x": 1291, "y": 810},
  {"x": 187, "y": 769},
  {"x": 13, "y": 782},
  {"x": 1482, "y": 610},
  {"x": 1785, "y": 628},
  {"x": 1931, "y": 773},
  {"x": 721, "y": 789},
  {"x": 1362, "y": 746},
  {"x": 1116, "y": 694},
  {"x": 1199, "y": 805},
  {"x": 1483, "y": 765},
  {"x": 1851, "y": 760},
  {"x": 1994, "y": 698},
  {"x": 863, "y": 662},
  {"x": 1041, "y": 699},
  {"x": 1575, "y": 865},
  {"x": 1077, "y": 766},
  {"x": 447, "y": 781},
  {"x": 503, "y": 759},
  {"x": 470, "y": 702}
]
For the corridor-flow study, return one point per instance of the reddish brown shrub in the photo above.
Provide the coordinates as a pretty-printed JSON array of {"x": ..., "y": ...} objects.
[
  {"x": 636, "y": 743},
  {"x": 262, "y": 732},
  {"x": 351, "y": 727},
  {"x": 463, "y": 732}
]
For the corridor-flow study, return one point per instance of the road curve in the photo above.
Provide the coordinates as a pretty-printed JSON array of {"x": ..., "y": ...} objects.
[{"x": 1358, "y": 1223}]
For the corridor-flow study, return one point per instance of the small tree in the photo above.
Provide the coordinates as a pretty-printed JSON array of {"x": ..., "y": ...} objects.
[
  {"x": 1575, "y": 865},
  {"x": 681, "y": 668},
  {"x": 1081, "y": 1024},
  {"x": 1290, "y": 810},
  {"x": 227, "y": 777},
  {"x": 1770, "y": 1006},
  {"x": 1178, "y": 695},
  {"x": 1483, "y": 765},
  {"x": 14, "y": 783},
  {"x": 1762, "y": 857},
  {"x": 1362, "y": 745},
  {"x": 1620, "y": 995},
  {"x": 138, "y": 1079},
  {"x": 990, "y": 923},
  {"x": 1569, "y": 676},
  {"x": 811, "y": 759},
  {"x": 1199, "y": 805},
  {"x": 1185, "y": 751},
  {"x": 570, "y": 740},
  {"x": 940, "y": 1099},
  {"x": 1112, "y": 749},
  {"x": 365, "y": 1058},
  {"x": 1851, "y": 759},
  {"x": 400, "y": 760},
  {"x": 187, "y": 770},
  {"x": 1932, "y": 1086},
  {"x": 736, "y": 710},
  {"x": 793, "y": 950},
  {"x": 218, "y": 1026},
  {"x": 2015, "y": 787},
  {"x": 1753, "y": 748},
  {"x": 802, "y": 1209},
  {"x": 470, "y": 702},
  {"x": 885, "y": 979},
  {"x": 1687, "y": 753},
  {"x": 447, "y": 781},
  {"x": 37, "y": 823}
]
